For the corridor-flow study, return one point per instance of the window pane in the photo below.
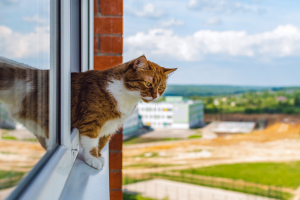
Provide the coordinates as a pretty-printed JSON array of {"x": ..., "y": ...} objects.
[{"x": 24, "y": 87}]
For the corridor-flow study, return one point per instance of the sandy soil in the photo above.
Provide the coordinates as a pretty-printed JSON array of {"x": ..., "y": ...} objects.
[
  {"x": 18, "y": 155},
  {"x": 279, "y": 142}
]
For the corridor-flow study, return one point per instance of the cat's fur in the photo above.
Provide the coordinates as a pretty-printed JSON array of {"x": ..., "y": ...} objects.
[{"x": 100, "y": 100}]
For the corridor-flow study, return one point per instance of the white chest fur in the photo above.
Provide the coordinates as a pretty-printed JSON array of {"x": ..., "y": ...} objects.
[{"x": 126, "y": 100}]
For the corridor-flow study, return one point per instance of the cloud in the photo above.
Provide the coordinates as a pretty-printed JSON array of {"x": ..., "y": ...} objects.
[
  {"x": 148, "y": 10},
  {"x": 227, "y": 6},
  {"x": 214, "y": 21},
  {"x": 18, "y": 45},
  {"x": 283, "y": 41},
  {"x": 171, "y": 22},
  {"x": 35, "y": 19}
]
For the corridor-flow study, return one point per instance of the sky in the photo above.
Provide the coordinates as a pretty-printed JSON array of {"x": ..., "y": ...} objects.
[
  {"x": 25, "y": 31},
  {"x": 217, "y": 42}
]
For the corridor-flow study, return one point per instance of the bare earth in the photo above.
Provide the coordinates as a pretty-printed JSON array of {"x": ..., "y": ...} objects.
[
  {"x": 279, "y": 142},
  {"x": 19, "y": 155}
]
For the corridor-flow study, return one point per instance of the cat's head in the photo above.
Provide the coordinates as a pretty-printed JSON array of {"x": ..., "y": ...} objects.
[{"x": 146, "y": 79}]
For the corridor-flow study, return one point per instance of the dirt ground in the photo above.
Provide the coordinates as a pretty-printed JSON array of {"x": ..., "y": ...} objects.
[
  {"x": 278, "y": 143},
  {"x": 19, "y": 155}
]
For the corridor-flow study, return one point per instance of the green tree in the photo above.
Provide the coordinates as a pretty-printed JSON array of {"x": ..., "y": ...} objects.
[{"x": 297, "y": 101}]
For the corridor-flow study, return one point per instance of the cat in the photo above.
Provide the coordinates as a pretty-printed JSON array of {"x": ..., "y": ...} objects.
[{"x": 100, "y": 100}]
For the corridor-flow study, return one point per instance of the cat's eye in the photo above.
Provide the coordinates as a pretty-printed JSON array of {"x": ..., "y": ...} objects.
[
  {"x": 148, "y": 84},
  {"x": 160, "y": 88}
]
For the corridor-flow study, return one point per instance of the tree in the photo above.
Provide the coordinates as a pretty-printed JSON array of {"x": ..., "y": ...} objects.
[{"x": 297, "y": 101}]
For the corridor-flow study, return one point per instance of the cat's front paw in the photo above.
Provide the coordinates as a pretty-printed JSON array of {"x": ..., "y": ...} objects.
[{"x": 94, "y": 162}]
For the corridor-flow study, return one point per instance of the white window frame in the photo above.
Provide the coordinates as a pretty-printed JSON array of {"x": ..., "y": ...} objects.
[{"x": 48, "y": 179}]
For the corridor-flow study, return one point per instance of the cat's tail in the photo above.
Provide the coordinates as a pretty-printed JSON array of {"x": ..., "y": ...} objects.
[{"x": 12, "y": 71}]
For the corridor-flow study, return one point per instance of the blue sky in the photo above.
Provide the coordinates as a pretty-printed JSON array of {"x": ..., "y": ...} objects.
[
  {"x": 25, "y": 31},
  {"x": 232, "y": 42}
]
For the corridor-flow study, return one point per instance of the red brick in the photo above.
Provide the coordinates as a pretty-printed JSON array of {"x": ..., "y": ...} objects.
[
  {"x": 95, "y": 44},
  {"x": 116, "y": 142},
  {"x": 106, "y": 62},
  {"x": 95, "y": 6},
  {"x": 115, "y": 160},
  {"x": 111, "y": 7},
  {"x": 115, "y": 180},
  {"x": 116, "y": 195},
  {"x": 110, "y": 44},
  {"x": 108, "y": 25}
]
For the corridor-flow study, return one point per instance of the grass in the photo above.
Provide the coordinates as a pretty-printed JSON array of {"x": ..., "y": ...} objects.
[
  {"x": 282, "y": 174},
  {"x": 147, "y": 165},
  {"x": 128, "y": 180},
  {"x": 151, "y": 155},
  {"x": 9, "y": 174},
  {"x": 129, "y": 196},
  {"x": 137, "y": 140},
  {"x": 6, "y": 152},
  {"x": 9, "y": 137},
  {"x": 30, "y": 140},
  {"x": 11, "y": 178},
  {"x": 195, "y": 136}
]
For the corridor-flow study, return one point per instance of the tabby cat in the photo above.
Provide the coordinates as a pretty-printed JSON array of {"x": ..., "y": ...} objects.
[{"x": 100, "y": 100}]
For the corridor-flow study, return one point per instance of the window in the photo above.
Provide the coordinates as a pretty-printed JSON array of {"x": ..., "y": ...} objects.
[
  {"x": 56, "y": 37},
  {"x": 25, "y": 41}
]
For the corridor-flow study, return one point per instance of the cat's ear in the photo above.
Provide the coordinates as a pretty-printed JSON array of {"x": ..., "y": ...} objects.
[
  {"x": 140, "y": 63},
  {"x": 168, "y": 70}
]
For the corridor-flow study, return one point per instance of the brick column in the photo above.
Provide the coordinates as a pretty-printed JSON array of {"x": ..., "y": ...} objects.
[{"x": 108, "y": 49}]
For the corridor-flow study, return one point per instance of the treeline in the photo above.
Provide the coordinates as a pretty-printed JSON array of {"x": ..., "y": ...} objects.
[
  {"x": 212, "y": 90},
  {"x": 286, "y": 100}
]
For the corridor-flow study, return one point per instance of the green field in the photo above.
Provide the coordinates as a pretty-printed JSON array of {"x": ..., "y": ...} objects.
[
  {"x": 275, "y": 174},
  {"x": 127, "y": 196},
  {"x": 137, "y": 140},
  {"x": 9, "y": 178}
]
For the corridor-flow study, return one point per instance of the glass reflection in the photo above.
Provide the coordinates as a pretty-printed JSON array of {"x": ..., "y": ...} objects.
[{"x": 24, "y": 73}]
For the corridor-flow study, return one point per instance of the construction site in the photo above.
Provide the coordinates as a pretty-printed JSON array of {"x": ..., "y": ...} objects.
[
  {"x": 168, "y": 164},
  {"x": 150, "y": 164}
]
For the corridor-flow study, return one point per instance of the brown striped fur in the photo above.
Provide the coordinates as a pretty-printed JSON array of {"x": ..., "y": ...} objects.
[{"x": 92, "y": 104}]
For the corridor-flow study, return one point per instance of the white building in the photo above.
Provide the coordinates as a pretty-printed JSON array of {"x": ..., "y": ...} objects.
[{"x": 174, "y": 112}]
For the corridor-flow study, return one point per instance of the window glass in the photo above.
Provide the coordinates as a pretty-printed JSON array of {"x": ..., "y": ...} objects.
[{"x": 24, "y": 87}]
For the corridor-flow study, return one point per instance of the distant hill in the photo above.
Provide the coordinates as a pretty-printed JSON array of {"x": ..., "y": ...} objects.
[{"x": 214, "y": 90}]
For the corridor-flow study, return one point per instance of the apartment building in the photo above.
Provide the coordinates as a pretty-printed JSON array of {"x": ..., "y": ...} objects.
[{"x": 175, "y": 113}]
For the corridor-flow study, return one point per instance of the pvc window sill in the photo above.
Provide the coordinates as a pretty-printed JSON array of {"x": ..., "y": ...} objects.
[{"x": 85, "y": 182}]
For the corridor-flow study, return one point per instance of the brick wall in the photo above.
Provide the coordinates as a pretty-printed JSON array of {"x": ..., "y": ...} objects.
[{"x": 108, "y": 49}]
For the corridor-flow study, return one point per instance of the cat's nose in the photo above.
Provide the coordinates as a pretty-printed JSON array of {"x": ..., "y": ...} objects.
[{"x": 154, "y": 95}]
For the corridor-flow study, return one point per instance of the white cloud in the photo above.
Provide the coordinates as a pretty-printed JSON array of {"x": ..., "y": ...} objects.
[
  {"x": 227, "y": 6},
  {"x": 148, "y": 10},
  {"x": 214, "y": 21},
  {"x": 280, "y": 42},
  {"x": 36, "y": 19},
  {"x": 18, "y": 45},
  {"x": 171, "y": 22}
]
